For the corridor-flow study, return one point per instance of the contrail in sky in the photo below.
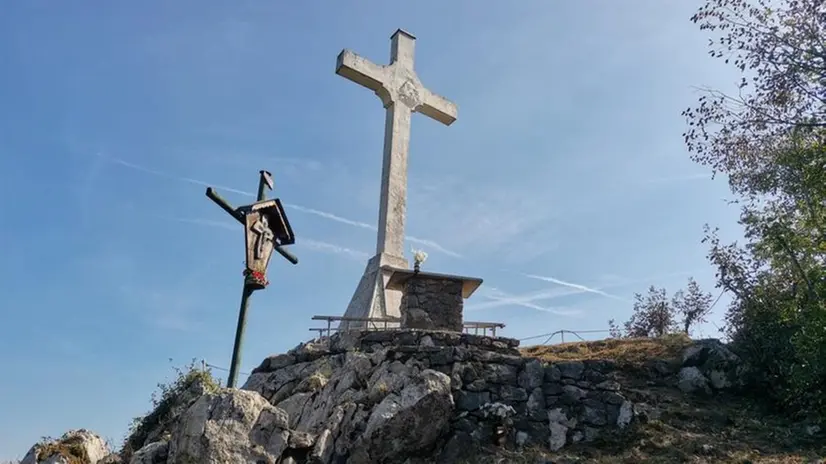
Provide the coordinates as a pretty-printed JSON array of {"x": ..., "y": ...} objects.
[
  {"x": 527, "y": 300},
  {"x": 574, "y": 286},
  {"x": 429, "y": 243},
  {"x": 500, "y": 298},
  {"x": 331, "y": 248},
  {"x": 331, "y": 216},
  {"x": 170, "y": 176},
  {"x": 364, "y": 225}
]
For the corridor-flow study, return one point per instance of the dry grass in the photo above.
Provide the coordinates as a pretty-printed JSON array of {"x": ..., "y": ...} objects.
[
  {"x": 720, "y": 430},
  {"x": 71, "y": 449},
  {"x": 628, "y": 352},
  {"x": 724, "y": 430}
]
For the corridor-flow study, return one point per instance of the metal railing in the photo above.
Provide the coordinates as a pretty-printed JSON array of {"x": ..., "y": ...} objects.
[
  {"x": 391, "y": 323},
  {"x": 370, "y": 323},
  {"x": 483, "y": 326}
]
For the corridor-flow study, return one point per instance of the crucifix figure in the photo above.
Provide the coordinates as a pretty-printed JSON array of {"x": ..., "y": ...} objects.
[
  {"x": 263, "y": 239},
  {"x": 266, "y": 229},
  {"x": 402, "y": 93}
]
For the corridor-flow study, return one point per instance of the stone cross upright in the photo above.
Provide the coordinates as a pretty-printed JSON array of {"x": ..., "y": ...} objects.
[{"x": 402, "y": 93}]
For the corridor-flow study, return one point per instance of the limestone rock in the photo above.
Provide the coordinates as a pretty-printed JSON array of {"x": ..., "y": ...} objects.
[
  {"x": 230, "y": 426},
  {"x": 471, "y": 401},
  {"x": 75, "y": 445},
  {"x": 536, "y": 404},
  {"x": 719, "y": 379},
  {"x": 162, "y": 426},
  {"x": 691, "y": 380},
  {"x": 571, "y": 369},
  {"x": 626, "y": 414},
  {"x": 532, "y": 375},
  {"x": 153, "y": 453},
  {"x": 410, "y": 421},
  {"x": 383, "y": 396},
  {"x": 559, "y": 424},
  {"x": 710, "y": 354}
]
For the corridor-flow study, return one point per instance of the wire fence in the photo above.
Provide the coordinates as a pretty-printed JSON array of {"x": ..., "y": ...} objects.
[
  {"x": 547, "y": 336},
  {"x": 550, "y": 335},
  {"x": 205, "y": 364}
]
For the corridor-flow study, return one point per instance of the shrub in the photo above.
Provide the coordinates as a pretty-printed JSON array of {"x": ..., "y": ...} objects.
[{"x": 168, "y": 403}]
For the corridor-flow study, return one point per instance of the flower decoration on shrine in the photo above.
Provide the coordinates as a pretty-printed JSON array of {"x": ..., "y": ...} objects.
[
  {"x": 502, "y": 416},
  {"x": 497, "y": 410},
  {"x": 255, "y": 279},
  {"x": 419, "y": 257}
]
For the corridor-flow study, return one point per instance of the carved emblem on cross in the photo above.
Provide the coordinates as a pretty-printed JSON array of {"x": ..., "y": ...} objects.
[
  {"x": 263, "y": 241},
  {"x": 266, "y": 229}
]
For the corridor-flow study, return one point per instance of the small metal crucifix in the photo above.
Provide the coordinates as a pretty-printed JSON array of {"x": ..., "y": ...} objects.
[{"x": 266, "y": 230}]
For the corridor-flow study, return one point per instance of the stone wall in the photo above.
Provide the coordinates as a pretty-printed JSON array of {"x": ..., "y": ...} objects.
[
  {"x": 411, "y": 397},
  {"x": 378, "y": 396},
  {"x": 432, "y": 304}
]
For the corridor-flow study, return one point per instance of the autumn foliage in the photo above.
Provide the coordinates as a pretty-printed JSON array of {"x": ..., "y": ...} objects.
[{"x": 770, "y": 141}]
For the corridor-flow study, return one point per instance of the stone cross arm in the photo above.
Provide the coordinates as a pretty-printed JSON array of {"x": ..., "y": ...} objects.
[{"x": 397, "y": 81}]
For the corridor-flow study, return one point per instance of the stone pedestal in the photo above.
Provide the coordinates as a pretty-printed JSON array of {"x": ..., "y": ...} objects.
[
  {"x": 372, "y": 299},
  {"x": 432, "y": 301}
]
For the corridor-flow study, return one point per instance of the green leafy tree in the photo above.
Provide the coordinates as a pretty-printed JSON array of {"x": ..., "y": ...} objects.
[
  {"x": 769, "y": 140},
  {"x": 653, "y": 315},
  {"x": 691, "y": 305}
]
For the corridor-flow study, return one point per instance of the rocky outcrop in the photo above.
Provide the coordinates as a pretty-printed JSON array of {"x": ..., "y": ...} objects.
[
  {"x": 381, "y": 396},
  {"x": 230, "y": 426},
  {"x": 74, "y": 447},
  {"x": 387, "y": 396},
  {"x": 709, "y": 365},
  {"x": 159, "y": 424}
]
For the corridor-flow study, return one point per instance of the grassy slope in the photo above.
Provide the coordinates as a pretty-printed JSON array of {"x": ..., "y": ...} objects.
[{"x": 720, "y": 430}]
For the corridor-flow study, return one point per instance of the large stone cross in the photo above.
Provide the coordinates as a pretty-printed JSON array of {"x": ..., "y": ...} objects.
[{"x": 402, "y": 93}]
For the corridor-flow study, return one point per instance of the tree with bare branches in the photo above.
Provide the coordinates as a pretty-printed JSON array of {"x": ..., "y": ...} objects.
[
  {"x": 691, "y": 305},
  {"x": 770, "y": 140}
]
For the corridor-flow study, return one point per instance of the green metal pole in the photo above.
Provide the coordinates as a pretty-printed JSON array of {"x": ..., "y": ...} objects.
[
  {"x": 264, "y": 181},
  {"x": 262, "y": 192},
  {"x": 239, "y": 337},
  {"x": 263, "y": 185}
]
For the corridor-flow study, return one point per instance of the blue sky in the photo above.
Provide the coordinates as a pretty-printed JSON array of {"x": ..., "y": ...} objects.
[{"x": 564, "y": 183}]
